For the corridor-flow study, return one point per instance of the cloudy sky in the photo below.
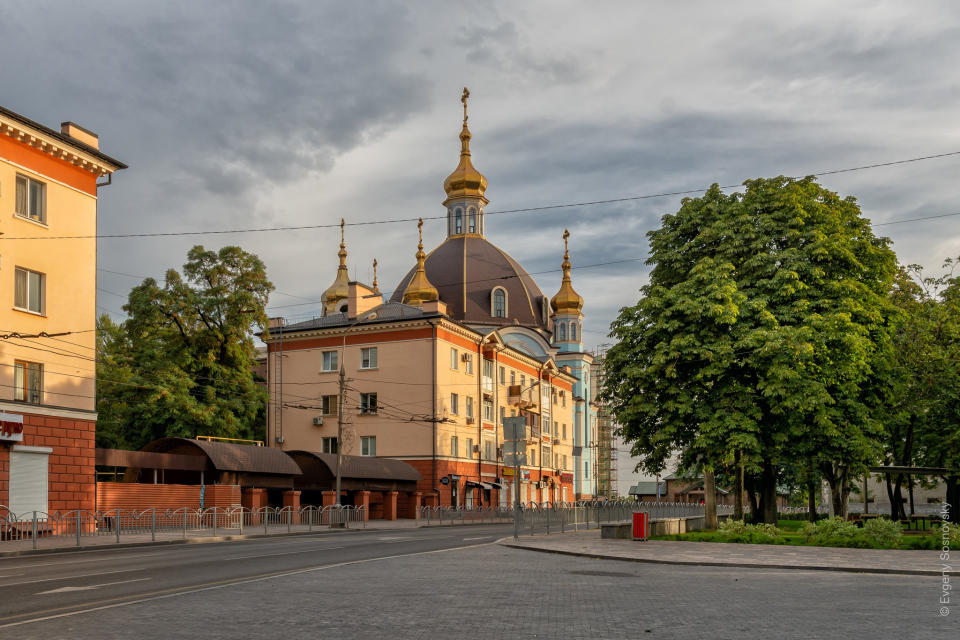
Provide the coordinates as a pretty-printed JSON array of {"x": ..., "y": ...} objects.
[{"x": 236, "y": 115}]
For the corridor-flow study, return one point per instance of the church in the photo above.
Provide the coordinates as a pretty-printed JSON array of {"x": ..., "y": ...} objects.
[{"x": 466, "y": 339}]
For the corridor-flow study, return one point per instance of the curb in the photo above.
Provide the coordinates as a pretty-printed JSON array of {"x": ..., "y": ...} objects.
[{"x": 749, "y": 565}]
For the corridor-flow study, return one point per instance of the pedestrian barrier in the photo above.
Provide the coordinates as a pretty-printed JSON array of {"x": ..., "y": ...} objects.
[{"x": 169, "y": 524}]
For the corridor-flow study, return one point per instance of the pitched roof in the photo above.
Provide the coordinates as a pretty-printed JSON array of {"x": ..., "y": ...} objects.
[{"x": 53, "y": 133}]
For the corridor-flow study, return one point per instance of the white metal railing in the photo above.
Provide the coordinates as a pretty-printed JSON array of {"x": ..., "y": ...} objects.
[{"x": 171, "y": 523}]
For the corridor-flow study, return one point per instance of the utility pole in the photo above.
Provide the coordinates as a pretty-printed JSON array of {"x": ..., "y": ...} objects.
[{"x": 343, "y": 384}]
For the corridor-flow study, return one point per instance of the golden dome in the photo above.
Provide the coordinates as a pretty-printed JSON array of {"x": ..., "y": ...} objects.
[
  {"x": 465, "y": 181},
  {"x": 419, "y": 290},
  {"x": 340, "y": 289},
  {"x": 567, "y": 300}
]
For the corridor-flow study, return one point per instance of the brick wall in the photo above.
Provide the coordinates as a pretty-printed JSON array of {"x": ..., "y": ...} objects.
[
  {"x": 221, "y": 495},
  {"x": 137, "y": 497}
]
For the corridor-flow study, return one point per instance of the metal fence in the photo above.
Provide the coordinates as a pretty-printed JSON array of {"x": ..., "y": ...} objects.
[
  {"x": 171, "y": 523},
  {"x": 434, "y": 516},
  {"x": 575, "y": 516}
]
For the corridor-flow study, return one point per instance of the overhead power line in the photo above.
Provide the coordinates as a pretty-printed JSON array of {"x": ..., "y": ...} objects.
[{"x": 648, "y": 196}]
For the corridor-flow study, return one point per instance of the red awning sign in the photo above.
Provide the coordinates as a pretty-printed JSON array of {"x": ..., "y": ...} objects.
[{"x": 11, "y": 427}]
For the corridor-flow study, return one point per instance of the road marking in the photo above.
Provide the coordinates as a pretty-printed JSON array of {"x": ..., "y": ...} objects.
[
  {"x": 88, "y": 587},
  {"x": 11, "y": 575},
  {"x": 477, "y": 538},
  {"x": 82, "y": 575},
  {"x": 284, "y": 553},
  {"x": 172, "y": 593},
  {"x": 397, "y": 538}
]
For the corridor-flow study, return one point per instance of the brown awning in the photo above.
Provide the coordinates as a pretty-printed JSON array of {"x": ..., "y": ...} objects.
[
  {"x": 149, "y": 460},
  {"x": 357, "y": 472},
  {"x": 227, "y": 456}
]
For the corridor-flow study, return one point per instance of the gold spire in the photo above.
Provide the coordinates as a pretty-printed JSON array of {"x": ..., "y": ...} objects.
[
  {"x": 567, "y": 300},
  {"x": 376, "y": 289},
  {"x": 339, "y": 290},
  {"x": 465, "y": 181},
  {"x": 420, "y": 290}
]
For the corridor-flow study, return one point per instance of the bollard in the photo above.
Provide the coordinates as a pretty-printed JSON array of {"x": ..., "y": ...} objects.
[
  {"x": 184, "y": 524},
  {"x": 214, "y": 522},
  {"x": 241, "y": 520},
  {"x": 78, "y": 528},
  {"x": 265, "y": 518},
  {"x": 289, "y": 519},
  {"x": 153, "y": 525},
  {"x": 116, "y": 524}
]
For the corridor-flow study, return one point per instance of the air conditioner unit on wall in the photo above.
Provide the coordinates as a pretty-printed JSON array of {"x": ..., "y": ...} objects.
[
  {"x": 318, "y": 421},
  {"x": 466, "y": 356},
  {"x": 476, "y": 448},
  {"x": 469, "y": 420}
]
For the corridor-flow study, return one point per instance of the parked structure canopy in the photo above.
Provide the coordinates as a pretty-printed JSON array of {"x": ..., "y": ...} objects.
[{"x": 358, "y": 473}]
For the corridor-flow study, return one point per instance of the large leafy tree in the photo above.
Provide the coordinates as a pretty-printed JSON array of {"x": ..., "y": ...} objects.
[
  {"x": 182, "y": 363},
  {"x": 755, "y": 337}
]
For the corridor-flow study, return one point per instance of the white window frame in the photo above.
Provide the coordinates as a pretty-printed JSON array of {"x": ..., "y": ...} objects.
[
  {"x": 493, "y": 304},
  {"x": 334, "y": 357},
  {"x": 23, "y": 373},
  {"x": 503, "y": 376},
  {"x": 469, "y": 447},
  {"x": 328, "y": 445},
  {"x": 454, "y": 404},
  {"x": 488, "y": 410},
  {"x": 368, "y": 358},
  {"x": 368, "y": 446},
  {"x": 454, "y": 359},
  {"x": 469, "y": 406},
  {"x": 365, "y": 408},
  {"x": 454, "y": 446},
  {"x": 41, "y": 282},
  {"x": 329, "y": 405},
  {"x": 28, "y": 199},
  {"x": 468, "y": 364}
]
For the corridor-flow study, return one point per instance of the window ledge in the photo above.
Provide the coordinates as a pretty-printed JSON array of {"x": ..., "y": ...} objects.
[
  {"x": 368, "y": 368},
  {"x": 330, "y": 371},
  {"x": 33, "y": 313},
  {"x": 44, "y": 225}
]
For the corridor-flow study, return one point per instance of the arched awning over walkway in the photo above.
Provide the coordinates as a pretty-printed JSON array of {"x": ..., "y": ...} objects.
[{"x": 358, "y": 473}]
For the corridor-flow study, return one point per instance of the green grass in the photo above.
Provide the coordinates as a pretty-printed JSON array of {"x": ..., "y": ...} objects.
[{"x": 911, "y": 540}]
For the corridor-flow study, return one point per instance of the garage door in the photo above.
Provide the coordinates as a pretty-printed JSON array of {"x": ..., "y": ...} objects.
[{"x": 28, "y": 480}]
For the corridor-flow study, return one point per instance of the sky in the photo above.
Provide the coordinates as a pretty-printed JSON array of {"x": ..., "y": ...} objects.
[{"x": 236, "y": 115}]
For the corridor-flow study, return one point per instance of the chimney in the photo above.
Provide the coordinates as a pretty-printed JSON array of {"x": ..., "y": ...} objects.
[
  {"x": 360, "y": 299},
  {"x": 80, "y": 134},
  {"x": 435, "y": 305}
]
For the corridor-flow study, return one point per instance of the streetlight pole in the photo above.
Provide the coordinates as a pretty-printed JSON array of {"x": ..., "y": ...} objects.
[{"x": 343, "y": 384}]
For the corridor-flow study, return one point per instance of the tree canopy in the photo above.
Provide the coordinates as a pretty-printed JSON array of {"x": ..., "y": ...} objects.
[
  {"x": 182, "y": 363},
  {"x": 756, "y": 335}
]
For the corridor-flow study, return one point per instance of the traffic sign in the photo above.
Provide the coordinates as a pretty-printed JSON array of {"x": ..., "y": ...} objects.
[
  {"x": 514, "y": 459},
  {"x": 515, "y": 428},
  {"x": 514, "y": 447}
]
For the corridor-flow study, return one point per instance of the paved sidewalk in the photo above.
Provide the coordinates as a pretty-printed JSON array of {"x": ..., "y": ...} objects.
[
  {"x": 590, "y": 544},
  {"x": 198, "y": 536}
]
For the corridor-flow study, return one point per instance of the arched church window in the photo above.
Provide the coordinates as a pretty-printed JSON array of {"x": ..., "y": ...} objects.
[
  {"x": 499, "y": 303},
  {"x": 458, "y": 221},
  {"x": 473, "y": 220},
  {"x": 561, "y": 331},
  {"x": 573, "y": 330}
]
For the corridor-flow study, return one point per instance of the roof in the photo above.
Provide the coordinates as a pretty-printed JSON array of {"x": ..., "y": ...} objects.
[
  {"x": 53, "y": 133},
  {"x": 646, "y": 489},
  {"x": 365, "y": 467},
  {"x": 227, "y": 456},
  {"x": 389, "y": 312},
  {"x": 466, "y": 268}
]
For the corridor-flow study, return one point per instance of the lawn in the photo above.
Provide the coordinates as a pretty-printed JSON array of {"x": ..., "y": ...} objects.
[{"x": 790, "y": 535}]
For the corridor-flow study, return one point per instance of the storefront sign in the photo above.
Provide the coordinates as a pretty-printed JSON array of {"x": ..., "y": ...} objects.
[
  {"x": 507, "y": 471},
  {"x": 11, "y": 427},
  {"x": 566, "y": 477}
]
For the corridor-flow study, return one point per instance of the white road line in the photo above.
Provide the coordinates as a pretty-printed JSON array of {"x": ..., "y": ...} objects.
[
  {"x": 88, "y": 587},
  {"x": 478, "y": 538},
  {"x": 232, "y": 584},
  {"x": 284, "y": 553},
  {"x": 82, "y": 575},
  {"x": 11, "y": 575}
]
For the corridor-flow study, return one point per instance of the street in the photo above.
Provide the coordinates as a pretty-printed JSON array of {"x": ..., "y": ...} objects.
[{"x": 439, "y": 583}]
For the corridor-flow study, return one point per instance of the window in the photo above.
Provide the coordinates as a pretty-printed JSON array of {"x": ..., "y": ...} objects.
[
  {"x": 454, "y": 446},
  {"x": 533, "y": 457},
  {"x": 368, "y": 445},
  {"x": 329, "y": 404},
  {"x": 329, "y": 361},
  {"x": 368, "y": 358},
  {"x": 556, "y": 461},
  {"x": 469, "y": 406},
  {"x": 31, "y": 199},
  {"x": 469, "y": 447},
  {"x": 488, "y": 368},
  {"x": 564, "y": 462},
  {"x": 29, "y": 290},
  {"x": 458, "y": 225},
  {"x": 564, "y": 431},
  {"x": 523, "y": 382},
  {"x": 368, "y": 403},
  {"x": 586, "y": 468},
  {"x": 503, "y": 375},
  {"x": 499, "y": 303},
  {"x": 454, "y": 358},
  {"x": 488, "y": 410},
  {"x": 513, "y": 378},
  {"x": 454, "y": 404},
  {"x": 556, "y": 428},
  {"x": 329, "y": 445},
  {"x": 562, "y": 331},
  {"x": 473, "y": 220},
  {"x": 468, "y": 364},
  {"x": 573, "y": 330},
  {"x": 488, "y": 450},
  {"x": 27, "y": 381},
  {"x": 563, "y": 399}
]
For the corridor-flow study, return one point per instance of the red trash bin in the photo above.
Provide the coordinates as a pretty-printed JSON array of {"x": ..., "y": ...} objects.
[{"x": 639, "y": 525}]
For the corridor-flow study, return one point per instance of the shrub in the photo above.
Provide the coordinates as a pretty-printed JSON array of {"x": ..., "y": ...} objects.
[
  {"x": 739, "y": 531},
  {"x": 833, "y": 532},
  {"x": 883, "y": 532}
]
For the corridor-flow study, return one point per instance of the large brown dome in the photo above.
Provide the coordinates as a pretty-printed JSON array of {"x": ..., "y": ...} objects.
[{"x": 466, "y": 269}]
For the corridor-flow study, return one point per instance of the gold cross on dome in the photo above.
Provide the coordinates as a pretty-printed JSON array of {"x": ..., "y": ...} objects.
[{"x": 463, "y": 99}]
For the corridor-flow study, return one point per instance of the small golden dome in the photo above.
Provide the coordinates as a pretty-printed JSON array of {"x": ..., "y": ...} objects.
[
  {"x": 340, "y": 289},
  {"x": 465, "y": 181},
  {"x": 419, "y": 290},
  {"x": 567, "y": 300}
]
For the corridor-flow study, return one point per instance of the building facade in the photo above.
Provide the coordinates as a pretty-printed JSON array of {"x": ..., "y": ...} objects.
[
  {"x": 466, "y": 339},
  {"x": 48, "y": 188}
]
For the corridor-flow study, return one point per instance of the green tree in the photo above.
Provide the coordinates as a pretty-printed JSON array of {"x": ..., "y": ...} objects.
[
  {"x": 755, "y": 336},
  {"x": 181, "y": 364}
]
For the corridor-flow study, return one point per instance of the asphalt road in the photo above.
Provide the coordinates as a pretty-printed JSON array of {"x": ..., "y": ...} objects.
[{"x": 40, "y": 586}]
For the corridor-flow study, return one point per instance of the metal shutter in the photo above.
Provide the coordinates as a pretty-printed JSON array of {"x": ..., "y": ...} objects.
[{"x": 28, "y": 482}]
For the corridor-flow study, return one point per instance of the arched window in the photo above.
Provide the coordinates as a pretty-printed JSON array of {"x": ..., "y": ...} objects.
[
  {"x": 561, "y": 331},
  {"x": 473, "y": 220},
  {"x": 573, "y": 331},
  {"x": 458, "y": 221},
  {"x": 499, "y": 303}
]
